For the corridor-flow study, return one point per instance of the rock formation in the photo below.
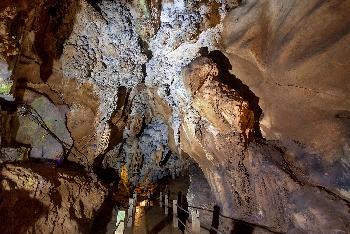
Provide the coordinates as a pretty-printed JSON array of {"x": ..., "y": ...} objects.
[
  {"x": 43, "y": 199},
  {"x": 254, "y": 92}
]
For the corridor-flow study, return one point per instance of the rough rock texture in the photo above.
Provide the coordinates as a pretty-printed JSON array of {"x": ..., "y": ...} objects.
[
  {"x": 199, "y": 195},
  {"x": 91, "y": 71},
  {"x": 146, "y": 151},
  {"x": 44, "y": 130},
  {"x": 106, "y": 53},
  {"x": 185, "y": 29},
  {"x": 298, "y": 65},
  {"x": 43, "y": 199},
  {"x": 11, "y": 154},
  {"x": 256, "y": 92},
  {"x": 39, "y": 32},
  {"x": 250, "y": 176},
  {"x": 10, "y": 149}
]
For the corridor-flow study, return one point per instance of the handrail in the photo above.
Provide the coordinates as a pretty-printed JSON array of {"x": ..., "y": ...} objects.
[
  {"x": 210, "y": 228},
  {"x": 238, "y": 220},
  {"x": 183, "y": 209},
  {"x": 224, "y": 216},
  {"x": 207, "y": 227},
  {"x": 252, "y": 224}
]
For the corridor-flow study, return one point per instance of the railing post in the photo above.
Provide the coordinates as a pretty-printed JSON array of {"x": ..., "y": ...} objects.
[
  {"x": 161, "y": 199},
  {"x": 216, "y": 220},
  {"x": 166, "y": 201},
  {"x": 135, "y": 202},
  {"x": 175, "y": 214},
  {"x": 130, "y": 212},
  {"x": 120, "y": 222},
  {"x": 135, "y": 198},
  {"x": 196, "y": 226},
  {"x": 148, "y": 198}
]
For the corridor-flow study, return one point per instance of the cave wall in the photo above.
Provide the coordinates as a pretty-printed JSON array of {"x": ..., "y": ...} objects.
[
  {"x": 255, "y": 92},
  {"x": 298, "y": 67},
  {"x": 252, "y": 177},
  {"x": 38, "y": 198},
  {"x": 88, "y": 60}
]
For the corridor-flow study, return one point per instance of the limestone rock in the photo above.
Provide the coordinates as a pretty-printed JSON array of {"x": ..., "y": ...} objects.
[
  {"x": 107, "y": 53},
  {"x": 252, "y": 180},
  {"x": 145, "y": 90},
  {"x": 45, "y": 130},
  {"x": 294, "y": 57},
  {"x": 43, "y": 199},
  {"x": 13, "y": 154},
  {"x": 219, "y": 103},
  {"x": 200, "y": 195},
  {"x": 146, "y": 157}
]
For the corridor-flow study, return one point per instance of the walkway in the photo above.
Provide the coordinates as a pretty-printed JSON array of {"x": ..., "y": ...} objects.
[{"x": 151, "y": 220}]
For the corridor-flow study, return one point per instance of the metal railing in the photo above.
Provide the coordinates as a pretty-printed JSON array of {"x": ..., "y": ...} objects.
[
  {"x": 191, "y": 223},
  {"x": 195, "y": 218}
]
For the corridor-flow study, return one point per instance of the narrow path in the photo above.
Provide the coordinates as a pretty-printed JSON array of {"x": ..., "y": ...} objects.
[{"x": 151, "y": 220}]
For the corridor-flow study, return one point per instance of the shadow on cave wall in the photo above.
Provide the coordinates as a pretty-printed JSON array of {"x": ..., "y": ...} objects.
[
  {"x": 55, "y": 24},
  {"x": 241, "y": 228},
  {"x": 9, "y": 125},
  {"x": 19, "y": 212},
  {"x": 110, "y": 175},
  {"x": 103, "y": 215},
  {"x": 94, "y": 4},
  {"x": 52, "y": 23}
]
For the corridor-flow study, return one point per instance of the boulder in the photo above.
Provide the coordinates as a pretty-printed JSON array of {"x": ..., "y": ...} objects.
[{"x": 39, "y": 198}]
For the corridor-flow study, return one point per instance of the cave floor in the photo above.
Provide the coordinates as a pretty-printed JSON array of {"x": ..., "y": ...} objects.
[{"x": 151, "y": 219}]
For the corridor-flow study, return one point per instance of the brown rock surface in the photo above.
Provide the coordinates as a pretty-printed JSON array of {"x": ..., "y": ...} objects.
[
  {"x": 216, "y": 101},
  {"x": 38, "y": 198},
  {"x": 295, "y": 57},
  {"x": 271, "y": 137},
  {"x": 251, "y": 178}
]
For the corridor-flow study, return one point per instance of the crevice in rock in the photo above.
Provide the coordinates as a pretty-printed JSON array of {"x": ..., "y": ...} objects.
[
  {"x": 108, "y": 175},
  {"x": 304, "y": 88},
  {"x": 9, "y": 126},
  {"x": 145, "y": 50},
  {"x": 143, "y": 127},
  {"x": 119, "y": 115},
  {"x": 8, "y": 106},
  {"x": 345, "y": 114},
  {"x": 94, "y": 4},
  {"x": 165, "y": 158},
  {"x": 103, "y": 216}
]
